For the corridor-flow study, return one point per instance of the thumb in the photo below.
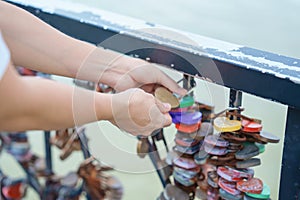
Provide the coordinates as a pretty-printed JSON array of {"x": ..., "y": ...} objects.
[
  {"x": 168, "y": 120},
  {"x": 163, "y": 107}
]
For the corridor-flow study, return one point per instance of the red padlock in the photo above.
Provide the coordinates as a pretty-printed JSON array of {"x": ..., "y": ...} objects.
[{"x": 14, "y": 190}]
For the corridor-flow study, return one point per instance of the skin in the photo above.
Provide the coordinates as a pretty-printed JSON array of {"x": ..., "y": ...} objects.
[{"x": 29, "y": 103}]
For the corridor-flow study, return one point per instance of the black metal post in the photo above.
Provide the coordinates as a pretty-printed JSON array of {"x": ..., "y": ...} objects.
[
  {"x": 48, "y": 152},
  {"x": 290, "y": 170},
  {"x": 84, "y": 144},
  {"x": 235, "y": 98},
  {"x": 33, "y": 180},
  {"x": 154, "y": 156}
]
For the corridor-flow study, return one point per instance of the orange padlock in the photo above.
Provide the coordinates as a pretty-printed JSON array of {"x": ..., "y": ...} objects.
[{"x": 188, "y": 128}]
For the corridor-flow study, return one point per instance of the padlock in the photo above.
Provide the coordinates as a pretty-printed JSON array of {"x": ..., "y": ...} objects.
[
  {"x": 201, "y": 157},
  {"x": 70, "y": 180},
  {"x": 234, "y": 175},
  {"x": 17, "y": 145},
  {"x": 186, "y": 101},
  {"x": 165, "y": 96},
  {"x": 69, "y": 188},
  {"x": 188, "y": 142},
  {"x": 229, "y": 153},
  {"x": 253, "y": 185},
  {"x": 248, "y": 151},
  {"x": 61, "y": 138},
  {"x": 13, "y": 189},
  {"x": 212, "y": 179},
  {"x": 265, "y": 194},
  {"x": 35, "y": 163},
  {"x": 93, "y": 177},
  {"x": 39, "y": 165},
  {"x": 53, "y": 185},
  {"x": 113, "y": 188},
  {"x": 73, "y": 144},
  {"x": 226, "y": 195},
  {"x": 143, "y": 147},
  {"x": 224, "y": 124},
  {"x": 228, "y": 186}
]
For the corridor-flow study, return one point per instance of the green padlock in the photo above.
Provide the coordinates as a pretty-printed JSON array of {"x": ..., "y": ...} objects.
[
  {"x": 186, "y": 101},
  {"x": 265, "y": 194},
  {"x": 261, "y": 147}
]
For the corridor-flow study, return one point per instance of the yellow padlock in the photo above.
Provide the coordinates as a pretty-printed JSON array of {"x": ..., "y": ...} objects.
[{"x": 224, "y": 124}]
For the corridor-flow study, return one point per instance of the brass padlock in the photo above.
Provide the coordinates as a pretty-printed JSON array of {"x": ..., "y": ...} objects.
[{"x": 143, "y": 147}]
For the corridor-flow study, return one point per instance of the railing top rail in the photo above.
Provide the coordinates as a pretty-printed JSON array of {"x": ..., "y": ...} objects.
[{"x": 272, "y": 76}]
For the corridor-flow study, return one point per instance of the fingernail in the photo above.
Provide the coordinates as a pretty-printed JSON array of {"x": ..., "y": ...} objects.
[
  {"x": 182, "y": 91},
  {"x": 167, "y": 106}
]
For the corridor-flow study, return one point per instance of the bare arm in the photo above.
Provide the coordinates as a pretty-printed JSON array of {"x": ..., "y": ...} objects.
[
  {"x": 35, "y": 103},
  {"x": 36, "y": 45},
  {"x": 30, "y": 103}
]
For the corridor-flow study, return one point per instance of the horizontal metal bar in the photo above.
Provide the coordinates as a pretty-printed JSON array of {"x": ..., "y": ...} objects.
[{"x": 264, "y": 74}]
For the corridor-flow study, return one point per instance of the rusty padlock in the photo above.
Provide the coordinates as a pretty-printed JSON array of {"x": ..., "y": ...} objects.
[
  {"x": 73, "y": 144},
  {"x": 61, "y": 138}
]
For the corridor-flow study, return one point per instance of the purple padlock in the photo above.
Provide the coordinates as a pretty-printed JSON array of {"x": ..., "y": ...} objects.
[
  {"x": 188, "y": 118},
  {"x": 173, "y": 115}
]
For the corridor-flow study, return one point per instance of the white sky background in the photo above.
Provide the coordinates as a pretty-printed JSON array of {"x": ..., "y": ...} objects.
[{"x": 263, "y": 24}]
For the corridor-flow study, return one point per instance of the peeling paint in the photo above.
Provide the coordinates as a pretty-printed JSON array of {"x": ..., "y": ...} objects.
[
  {"x": 280, "y": 66},
  {"x": 262, "y": 64}
]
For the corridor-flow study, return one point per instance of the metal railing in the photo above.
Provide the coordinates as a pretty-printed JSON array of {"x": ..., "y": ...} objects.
[{"x": 271, "y": 76}]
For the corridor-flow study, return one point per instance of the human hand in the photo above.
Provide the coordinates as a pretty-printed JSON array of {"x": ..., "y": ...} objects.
[
  {"x": 138, "y": 112},
  {"x": 126, "y": 72}
]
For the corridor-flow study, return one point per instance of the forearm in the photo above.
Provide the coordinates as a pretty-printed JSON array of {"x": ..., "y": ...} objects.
[
  {"x": 57, "y": 105},
  {"x": 36, "y": 45},
  {"x": 34, "y": 103}
]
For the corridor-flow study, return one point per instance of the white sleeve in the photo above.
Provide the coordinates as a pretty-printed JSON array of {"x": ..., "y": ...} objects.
[{"x": 4, "y": 56}]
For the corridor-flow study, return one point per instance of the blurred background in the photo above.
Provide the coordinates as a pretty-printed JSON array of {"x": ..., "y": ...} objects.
[
  {"x": 269, "y": 25},
  {"x": 263, "y": 24}
]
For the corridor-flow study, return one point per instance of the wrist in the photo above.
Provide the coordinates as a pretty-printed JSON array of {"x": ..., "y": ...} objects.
[
  {"x": 95, "y": 64},
  {"x": 103, "y": 106}
]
